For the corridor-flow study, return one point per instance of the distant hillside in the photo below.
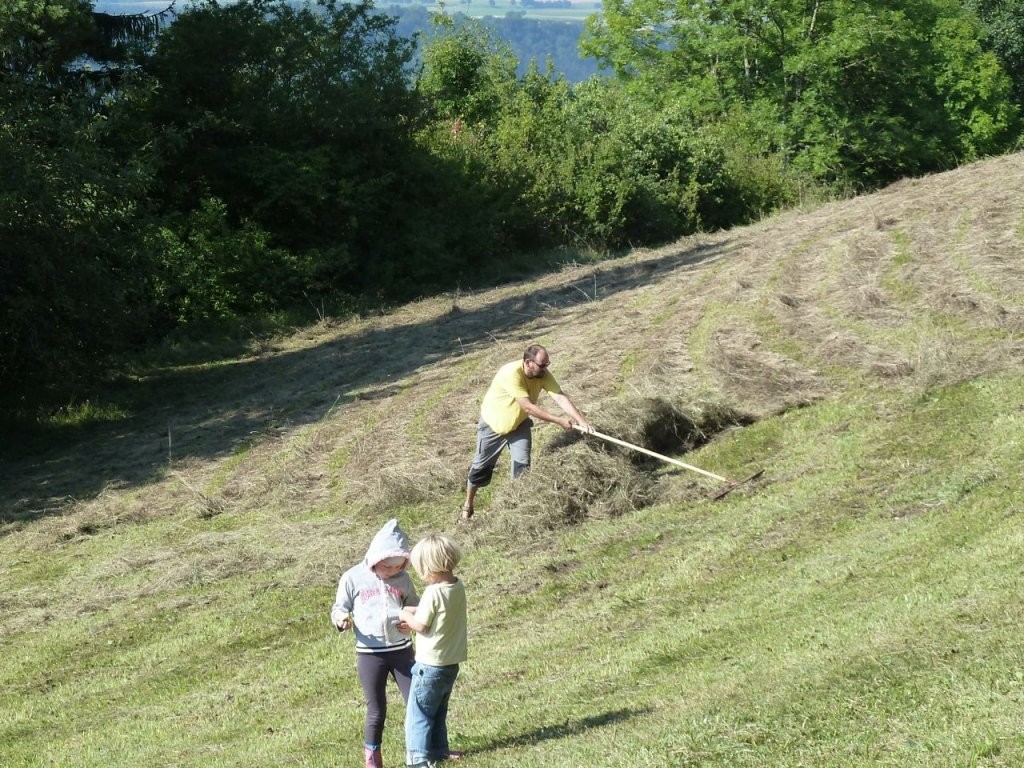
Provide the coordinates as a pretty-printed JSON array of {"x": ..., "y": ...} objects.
[
  {"x": 531, "y": 35},
  {"x": 535, "y": 32}
]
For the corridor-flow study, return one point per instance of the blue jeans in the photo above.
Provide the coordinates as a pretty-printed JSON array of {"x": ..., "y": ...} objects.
[{"x": 426, "y": 716}]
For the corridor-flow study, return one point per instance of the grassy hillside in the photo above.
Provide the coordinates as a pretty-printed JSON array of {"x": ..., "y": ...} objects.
[{"x": 167, "y": 572}]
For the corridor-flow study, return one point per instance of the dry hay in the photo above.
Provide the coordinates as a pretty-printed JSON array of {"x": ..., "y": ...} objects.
[
  {"x": 388, "y": 472},
  {"x": 577, "y": 477},
  {"x": 580, "y": 483},
  {"x": 658, "y": 424},
  {"x": 763, "y": 379}
]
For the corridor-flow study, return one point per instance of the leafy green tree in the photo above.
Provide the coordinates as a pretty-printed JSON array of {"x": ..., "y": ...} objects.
[
  {"x": 557, "y": 164},
  {"x": 976, "y": 92},
  {"x": 297, "y": 120},
  {"x": 72, "y": 292},
  {"x": 608, "y": 169},
  {"x": 859, "y": 88},
  {"x": 206, "y": 269},
  {"x": 39, "y": 38},
  {"x": 466, "y": 79},
  {"x": 1003, "y": 23},
  {"x": 467, "y": 73}
]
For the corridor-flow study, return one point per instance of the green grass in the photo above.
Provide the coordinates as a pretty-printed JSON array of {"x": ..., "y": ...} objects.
[
  {"x": 859, "y": 605},
  {"x": 862, "y": 609},
  {"x": 79, "y": 414}
]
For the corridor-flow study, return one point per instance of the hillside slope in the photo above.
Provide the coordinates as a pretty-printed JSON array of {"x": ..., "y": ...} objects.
[{"x": 168, "y": 575}]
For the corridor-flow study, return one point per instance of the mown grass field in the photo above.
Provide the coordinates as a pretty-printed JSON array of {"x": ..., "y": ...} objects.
[{"x": 168, "y": 566}]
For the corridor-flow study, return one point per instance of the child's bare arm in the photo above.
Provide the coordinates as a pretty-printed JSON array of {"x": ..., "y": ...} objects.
[{"x": 409, "y": 617}]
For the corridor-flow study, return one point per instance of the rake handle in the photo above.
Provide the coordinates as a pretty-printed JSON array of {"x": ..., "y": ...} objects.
[{"x": 678, "y": 463}]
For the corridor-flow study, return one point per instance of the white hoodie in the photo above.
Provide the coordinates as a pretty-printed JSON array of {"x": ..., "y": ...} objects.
[{"x": 375, "y": 603}]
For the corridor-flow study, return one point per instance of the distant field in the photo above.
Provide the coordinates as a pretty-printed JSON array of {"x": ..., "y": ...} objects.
[
  {"x": 132, "y": 6},
  {"x": 580, "y": 9}
]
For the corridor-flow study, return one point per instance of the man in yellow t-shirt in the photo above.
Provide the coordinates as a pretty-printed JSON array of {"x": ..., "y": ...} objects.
[{"x": 505, "y": 414}]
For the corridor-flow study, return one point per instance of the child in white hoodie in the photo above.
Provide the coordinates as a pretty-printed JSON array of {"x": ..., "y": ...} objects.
[{"x": 370, "y": 599}]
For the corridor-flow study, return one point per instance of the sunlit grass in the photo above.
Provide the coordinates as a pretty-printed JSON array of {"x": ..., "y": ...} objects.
[
  {"x": 792, "y": 626},
  {"x": 857, "y": 605},
  {"x": 86, "y": 412}
]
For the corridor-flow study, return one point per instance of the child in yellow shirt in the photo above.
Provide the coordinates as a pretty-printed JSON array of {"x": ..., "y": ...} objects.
[{"x": 441, "y": 638}]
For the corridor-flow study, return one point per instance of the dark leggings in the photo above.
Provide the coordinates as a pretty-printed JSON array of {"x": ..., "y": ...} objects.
[{"x": 373, "y": 669}]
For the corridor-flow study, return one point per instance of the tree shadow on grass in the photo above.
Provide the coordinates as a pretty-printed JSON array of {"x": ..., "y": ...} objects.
[
  {"x": 206, "y": 412},
  {"x": 561, "y": 730}
]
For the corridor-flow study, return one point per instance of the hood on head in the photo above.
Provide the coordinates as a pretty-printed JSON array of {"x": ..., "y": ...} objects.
[{"x": 389, "y": 541}]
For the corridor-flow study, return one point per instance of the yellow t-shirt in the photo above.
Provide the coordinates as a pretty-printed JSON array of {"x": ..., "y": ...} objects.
[
  {"x": 499, "y": 408},
  {"x": 443, "y": 609}
]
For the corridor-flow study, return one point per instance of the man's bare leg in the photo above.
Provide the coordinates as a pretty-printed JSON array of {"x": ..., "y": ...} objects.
[{"x": 467, "y": 508}]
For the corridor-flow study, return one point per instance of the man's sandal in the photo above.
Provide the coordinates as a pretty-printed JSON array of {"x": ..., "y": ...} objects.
[{"x": 463, "y": 514}]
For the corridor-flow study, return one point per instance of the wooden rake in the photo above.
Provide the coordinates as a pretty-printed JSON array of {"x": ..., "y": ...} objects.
[{"x": 730, "y": 485}]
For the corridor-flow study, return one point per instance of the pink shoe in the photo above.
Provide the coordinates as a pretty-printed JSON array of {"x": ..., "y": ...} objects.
[
  {"x": 373, "y": 758},
  {"x": 453, "y": 755}
]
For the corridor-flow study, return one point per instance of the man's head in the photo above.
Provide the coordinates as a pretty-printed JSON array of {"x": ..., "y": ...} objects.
[{"x": 535, "y": 361}]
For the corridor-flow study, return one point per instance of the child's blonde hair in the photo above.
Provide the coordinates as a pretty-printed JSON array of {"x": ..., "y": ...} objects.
[{"x": 436, "y": 553}]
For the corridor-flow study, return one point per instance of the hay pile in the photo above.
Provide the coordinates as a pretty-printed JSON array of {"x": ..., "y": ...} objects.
[
  {"x": 576, "y": 477},
  {"x": 662, "y": 425}
]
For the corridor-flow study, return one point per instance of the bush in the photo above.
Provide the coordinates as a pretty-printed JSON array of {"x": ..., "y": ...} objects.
[{"x": 72, "y": 275}]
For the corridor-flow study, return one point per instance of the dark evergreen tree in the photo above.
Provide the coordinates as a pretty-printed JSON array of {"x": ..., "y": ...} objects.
[{"x": 72, "y": 268}]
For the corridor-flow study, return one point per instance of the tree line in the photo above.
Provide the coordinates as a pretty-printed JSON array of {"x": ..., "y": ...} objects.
[
  {"x": 531, "y": 40},
  {"x": 259, "y": 159}
]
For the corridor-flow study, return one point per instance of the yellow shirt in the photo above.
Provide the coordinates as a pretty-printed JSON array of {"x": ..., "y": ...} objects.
[
  {"x": 499, "y": 409},
  {"x": 443, "y": 610}
]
